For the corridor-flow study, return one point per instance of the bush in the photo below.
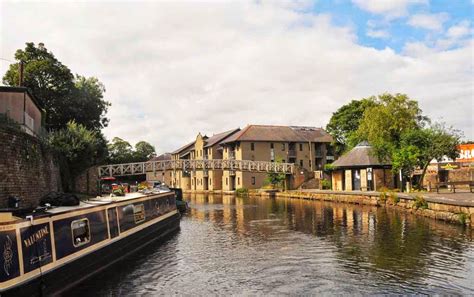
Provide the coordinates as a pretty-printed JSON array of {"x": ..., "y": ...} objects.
[
  {"x": 326, "y": 184},
  {"x": 242, "y": 192},
  {"x": 463, "y": 218},
  {"x": 383, "y": 197},
  {"x": 420, "y": 202},
  {"x": 394, "y": 197}
]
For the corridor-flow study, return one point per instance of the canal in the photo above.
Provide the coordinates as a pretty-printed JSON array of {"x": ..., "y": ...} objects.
[{"x": 230, "y": 245}]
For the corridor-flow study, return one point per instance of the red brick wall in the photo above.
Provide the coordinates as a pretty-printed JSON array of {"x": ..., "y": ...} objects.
[{"x": 27, "y": 170}]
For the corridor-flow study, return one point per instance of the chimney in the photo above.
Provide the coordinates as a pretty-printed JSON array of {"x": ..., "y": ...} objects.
[{"x": 20, "y": 81}]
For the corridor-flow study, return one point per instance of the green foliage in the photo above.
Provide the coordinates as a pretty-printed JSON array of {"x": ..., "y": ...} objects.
[
  {"x": 121, "y": 151},
  {"x": 383, "y": 196},
  {"x": 463, "y": 218},
  {"x": 241, "y": 192},
  {"x": 394, "y": 197},
  {"x": 65, "y": 97},
  {"x": 329, "y": 167},
  {"x": 119, "y": 191},
  {"x": 80, "y": 148},
  {"x": 345, "y": 121},
  {"x": 276, "y": 179},
  {"x": 326, "y": 184},
  {"x": 384, "y": 123},
  {"x": 420, "y": 202}
]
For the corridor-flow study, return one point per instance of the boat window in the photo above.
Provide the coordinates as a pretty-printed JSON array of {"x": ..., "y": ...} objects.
[
  {"x": 139, "y": 213},
  {"x": 80, "y": 232}
]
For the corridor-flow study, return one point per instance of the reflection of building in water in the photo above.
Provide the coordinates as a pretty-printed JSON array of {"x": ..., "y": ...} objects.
[{"x": 228, "y": 212}]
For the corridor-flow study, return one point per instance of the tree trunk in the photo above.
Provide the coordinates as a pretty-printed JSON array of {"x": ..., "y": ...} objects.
[{"x": 420, "y": 184}]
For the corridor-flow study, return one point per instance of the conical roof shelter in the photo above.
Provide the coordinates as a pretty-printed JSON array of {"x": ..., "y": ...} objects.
[{"x": 360, "y": 156}]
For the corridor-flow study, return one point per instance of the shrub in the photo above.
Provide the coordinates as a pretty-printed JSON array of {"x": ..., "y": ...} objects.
[
  {"x": 326, "y": 184},
  {"x": 420, "y": 202},
  {"x": 463, "y": 218},
  {"x": 383, "y": 197},
  {"x": 394, "y": 197},
  {"x": 242, "y": 192}
]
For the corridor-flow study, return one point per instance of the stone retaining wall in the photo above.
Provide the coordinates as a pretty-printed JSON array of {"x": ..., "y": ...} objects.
[
  {"x": 459, "y": 214},
  {"x": 27, "y": 169}
]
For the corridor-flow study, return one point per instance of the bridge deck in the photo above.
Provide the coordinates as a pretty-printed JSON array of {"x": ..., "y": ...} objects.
[{"x": 152, "y": 166}]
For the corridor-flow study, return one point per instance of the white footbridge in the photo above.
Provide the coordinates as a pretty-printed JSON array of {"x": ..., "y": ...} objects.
[{"x": 192, "y": 165}]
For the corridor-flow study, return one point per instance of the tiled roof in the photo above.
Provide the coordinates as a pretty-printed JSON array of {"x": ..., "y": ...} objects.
[
  {"x": 280, "y": 133},
  {"x": 162, "y": 157},
  {"x": 360, "y": 156},
  {"x": 184, "y": 148},
  {"x": 217, "y": 138}
]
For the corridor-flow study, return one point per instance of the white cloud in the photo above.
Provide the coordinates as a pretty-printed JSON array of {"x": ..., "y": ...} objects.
[
  {"x": 377, "y": 33},
  {"x": 460, "y": 30},
  {"x": 172, "y": 70},
  {"x": 389, "y": 8},
  {"x": 432, "y": 22}
]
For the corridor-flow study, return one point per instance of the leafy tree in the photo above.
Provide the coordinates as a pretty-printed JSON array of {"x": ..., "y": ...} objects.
[
  {"x": 144, "y": 151},
  {"x": 384, "y": 124},
  {"x": 120, "y": 151},
  {"x": 276, "y": 179},
  {"x": 80, "y": 148},
  {"x": 64, "y": 96},
  {"x": 345, "y": 122}
]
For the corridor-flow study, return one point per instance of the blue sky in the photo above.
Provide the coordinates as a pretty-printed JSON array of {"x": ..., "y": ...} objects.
[{"x": 398, "y": 29}]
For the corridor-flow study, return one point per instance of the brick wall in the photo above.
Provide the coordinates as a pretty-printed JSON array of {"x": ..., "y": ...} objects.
[
  {"x": 27, "y": 170},
  {"x": 86, "y": 182}
]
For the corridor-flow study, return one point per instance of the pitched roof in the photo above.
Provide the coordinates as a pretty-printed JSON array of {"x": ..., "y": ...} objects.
[
  {"x": 184, "y": 148},
  {"x": 162, "y": 157},
  {"x": 217, "y": 138},
  {"x": 280, "y": 133},
  {"x": 360, "y": 156}
]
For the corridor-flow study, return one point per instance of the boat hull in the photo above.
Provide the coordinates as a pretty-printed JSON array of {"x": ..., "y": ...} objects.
[{"x": 70, "y": 274}]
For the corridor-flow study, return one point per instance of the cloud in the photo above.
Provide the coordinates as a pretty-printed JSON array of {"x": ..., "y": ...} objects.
[
  {"x": 460, "y": 30},
  {"x": 377, "y": 33},
  {"x": 175, "y": 69},
  {"x": 432, "y": 22},
  {"x": 389, "y": 8}
]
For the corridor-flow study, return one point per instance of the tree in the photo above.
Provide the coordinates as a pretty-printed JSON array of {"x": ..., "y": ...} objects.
[
  {"x": 384, "y": 124},
  {"x": 276, "y": 178},
  {"x": 144, "y": 151},
  {"x": 345, "y": 122},
  {"x": 120, "y": 151},
  {"x": 65, "y": 97},
  {"x": 80, "y": 148}
]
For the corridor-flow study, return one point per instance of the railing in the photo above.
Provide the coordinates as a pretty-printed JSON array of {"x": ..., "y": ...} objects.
[{"x": 192, "y": 165}]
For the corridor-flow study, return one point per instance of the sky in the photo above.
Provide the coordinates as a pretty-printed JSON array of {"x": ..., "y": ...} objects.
[{"x": 173, "y": 69}]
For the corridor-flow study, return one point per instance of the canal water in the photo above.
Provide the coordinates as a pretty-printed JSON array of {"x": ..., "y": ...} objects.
[{"x": 259, "y": 246}]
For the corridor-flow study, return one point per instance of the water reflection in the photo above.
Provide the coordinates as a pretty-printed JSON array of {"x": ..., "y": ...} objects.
[{"x": 231, "y": 245}]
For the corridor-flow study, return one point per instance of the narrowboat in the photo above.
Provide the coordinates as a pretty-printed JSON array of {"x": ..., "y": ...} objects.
[{"x": 47, "y": 252}]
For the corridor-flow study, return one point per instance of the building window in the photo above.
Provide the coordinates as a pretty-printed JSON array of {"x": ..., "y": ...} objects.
[
  {"x": 238, "y": 180},
  {"x": 301, "y": 147},
  {"x": 226, "y": 181},
  {"x": 81, "y": 233},
  {"x": 139, "y": 213},
  {"x": 252, "y": 146},
  {"x": 301, "y": 163},
  {"x": 309, "y": 163},
  {"x": 201, "y": 182},
  {"x": 283, "y": 147},
  {"x": 271, "y": 145},
  {"x": 210, "y": 181},
  {"x": 253, "y": 180}
]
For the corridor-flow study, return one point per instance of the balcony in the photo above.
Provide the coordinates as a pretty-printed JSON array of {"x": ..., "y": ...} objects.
[{"x": 231, "y": 155}]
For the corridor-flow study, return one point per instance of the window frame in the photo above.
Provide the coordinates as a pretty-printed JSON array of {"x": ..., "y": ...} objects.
[
  {"x": 135, "y": 213},
  {"x": 88, "y": 231}
]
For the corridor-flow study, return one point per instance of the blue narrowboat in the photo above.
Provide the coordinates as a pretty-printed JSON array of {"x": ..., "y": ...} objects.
[{"x": 49, "y": 252}]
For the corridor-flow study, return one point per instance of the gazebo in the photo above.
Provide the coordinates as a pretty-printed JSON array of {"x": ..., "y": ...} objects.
[{"x": 361, "y": 170}]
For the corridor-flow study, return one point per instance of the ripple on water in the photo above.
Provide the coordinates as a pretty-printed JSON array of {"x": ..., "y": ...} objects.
[{"x": 258, "y": 246}]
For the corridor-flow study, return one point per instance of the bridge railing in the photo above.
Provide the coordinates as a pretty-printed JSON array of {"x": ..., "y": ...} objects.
[{"x": 152, "y": 166}]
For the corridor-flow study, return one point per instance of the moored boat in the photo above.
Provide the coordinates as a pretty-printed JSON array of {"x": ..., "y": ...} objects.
[{"x": 48, "y": 252}]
